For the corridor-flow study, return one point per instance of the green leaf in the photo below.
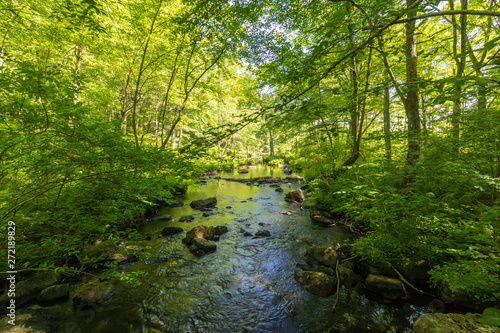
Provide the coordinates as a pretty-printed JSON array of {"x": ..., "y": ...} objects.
[{"x": 491, "y": 316}]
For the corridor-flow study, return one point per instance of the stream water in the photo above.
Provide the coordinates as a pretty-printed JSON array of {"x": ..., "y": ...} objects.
[{"x": 247, "y": 285}]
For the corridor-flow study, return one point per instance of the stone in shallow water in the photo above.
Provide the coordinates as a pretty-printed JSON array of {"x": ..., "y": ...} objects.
[
  {"x": 279, "y": 190},
  {"x": 262, "y": 233},
  {"x": 177, "y": 204},
  {"x": 186, "y": 218},
  {"x": 204, "y": 203}
]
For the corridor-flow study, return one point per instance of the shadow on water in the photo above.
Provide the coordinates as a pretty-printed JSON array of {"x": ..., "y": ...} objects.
[{"x": 247, "y": 285}]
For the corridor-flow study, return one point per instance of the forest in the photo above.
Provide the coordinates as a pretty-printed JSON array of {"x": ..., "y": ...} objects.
[{"x": 389, "y": 109}]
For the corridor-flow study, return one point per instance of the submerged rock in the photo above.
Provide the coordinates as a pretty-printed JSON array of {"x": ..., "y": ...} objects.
[
  {"x": 207, "y": 214},
  {"x": 242, "y": 171},
  {"x": 279, "y": 190},
  {"x": 169, "y": 231},
  {"x": 388, "y": 287},
  {"x": 295, "y": 196},
  {"x": 186, "y": 218},
  {"x": 451, "y": 322},
  {"x": 165, "y": 217},
  {"x": 177, "y": 204},
  {"x": 204, "y": 203},
  {"x": 317, "y": 283}
]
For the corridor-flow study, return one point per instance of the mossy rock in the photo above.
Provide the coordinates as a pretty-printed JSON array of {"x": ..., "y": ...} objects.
[
  {"x": 28, "y": 290},
  {"x": 317, "y": 283},
  {"x": 388, "y": 287},
  {"x": 451, "y": 322},
  {"x": 53, "y": 293},
  {"x": 92, "y": 295}
]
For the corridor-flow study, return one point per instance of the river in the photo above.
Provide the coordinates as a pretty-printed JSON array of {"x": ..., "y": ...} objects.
[{"x": 247, "y": 285}]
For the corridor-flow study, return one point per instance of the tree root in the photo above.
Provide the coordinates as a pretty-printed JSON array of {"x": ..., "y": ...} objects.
[
  {"x": 338, "y": 286},
  {"x": 402, "y": 278}
]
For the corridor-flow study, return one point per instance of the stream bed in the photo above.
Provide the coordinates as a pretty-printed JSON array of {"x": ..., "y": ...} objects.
[{"x": 247, "y": 284}]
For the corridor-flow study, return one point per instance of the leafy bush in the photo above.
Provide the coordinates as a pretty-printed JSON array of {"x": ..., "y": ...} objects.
[{"x": 448, "y": 217}]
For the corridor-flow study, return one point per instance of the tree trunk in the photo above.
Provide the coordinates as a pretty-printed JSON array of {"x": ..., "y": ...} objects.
[
  {"x": 179, "y": 140},
  {"x": 141, "y": 70},
  {"x": 173, "y": 138},
  {"x": 411, "y": 102},
  {"x": 387, "y": 124},
  {"x": 460, "y": 65},
  {"x": 271, "y": 143}
]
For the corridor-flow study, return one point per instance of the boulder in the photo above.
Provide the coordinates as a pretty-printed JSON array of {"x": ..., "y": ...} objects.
[
  {"x": 325, "y": 256},
  {"x": 169, "y": 231},
  {"x": 200, "y": 231},
  {"x": 28, "y": 290},
  {"x": 200, "y": 246},
  {"x": 295, "y": 196},
  {"x": 347, "y": 275},
  {"x": 317, "y": 283},
  {"x": 204, "y": 203},
  {"x": 165, "y": 217},
  {"x": 200, "y": 239},
  {"x": 92, "y": 295},
  {"x": 53, "y": 293},
  {"x": 388, "y": 287},
  {"x": 451, "y": 322},
  {"x": 186, "y": 218}
]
